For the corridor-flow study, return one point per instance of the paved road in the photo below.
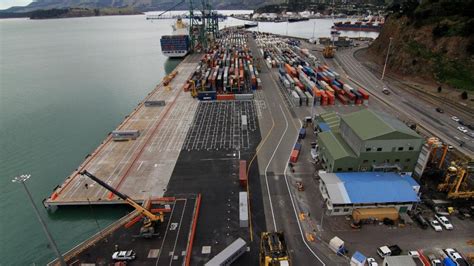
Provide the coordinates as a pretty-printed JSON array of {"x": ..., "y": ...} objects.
[
  {"x": 403, "y": 102},
  {"x": 279, "y": 128}
]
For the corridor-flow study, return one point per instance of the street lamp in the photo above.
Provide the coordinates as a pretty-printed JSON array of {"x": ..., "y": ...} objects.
[
  {"x": 22, "y": 179},
  {"x": 386, "y": 58}
]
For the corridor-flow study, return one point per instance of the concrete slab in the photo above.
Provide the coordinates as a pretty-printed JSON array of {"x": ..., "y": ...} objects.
[{"x": 140, "y": 168}]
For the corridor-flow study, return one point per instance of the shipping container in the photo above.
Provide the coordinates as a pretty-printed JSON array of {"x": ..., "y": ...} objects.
[
  {"x": 294, "y": 156},
  {"x": 243, "y": 174}
]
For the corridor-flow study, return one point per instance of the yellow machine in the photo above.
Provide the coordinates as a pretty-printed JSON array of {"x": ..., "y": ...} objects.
[
  {"x": 273, "y": 250},
  {"x": 193, "y": 89},
  {"x": 148, "y": 228},
  {"x": 329, "y": 51},
  {"x": 456, "y": 181}
]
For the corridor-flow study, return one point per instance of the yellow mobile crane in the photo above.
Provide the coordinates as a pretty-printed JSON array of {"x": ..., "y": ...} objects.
[
  {"x": 150, "y": 220},
  {"x": 273, "y": 250},
  {"x": 456, "y": 181}
]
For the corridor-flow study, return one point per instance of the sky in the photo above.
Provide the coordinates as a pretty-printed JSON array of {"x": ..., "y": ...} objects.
[{"x": 4, "y": 4}]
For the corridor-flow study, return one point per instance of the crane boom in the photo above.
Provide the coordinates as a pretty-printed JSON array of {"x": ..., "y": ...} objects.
[{"x": 137, "y": 206}]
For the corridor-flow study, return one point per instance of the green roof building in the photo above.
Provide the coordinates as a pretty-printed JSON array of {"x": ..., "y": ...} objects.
[{"x": 367, "y": 141}]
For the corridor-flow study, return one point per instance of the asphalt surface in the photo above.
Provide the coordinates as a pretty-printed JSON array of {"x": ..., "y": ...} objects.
[
  {"x": 209, "y": 166},
  {"x": 279, "y": 129},
  {"x": 168, "y": 247},
  {"x": 402, "y": 102}
]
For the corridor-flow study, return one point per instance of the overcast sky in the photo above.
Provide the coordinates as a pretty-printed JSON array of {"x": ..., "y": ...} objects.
[{"x": 4, "y": 4}]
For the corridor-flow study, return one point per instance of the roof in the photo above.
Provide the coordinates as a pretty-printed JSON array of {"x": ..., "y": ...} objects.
[
  {"x": 368, "y": 187},
  {"x": 336, "y": 146},
  {"x": 369, "y": 125},
  {"x": 359, "y": 257},
  {"x": 331, "y": 118},
  {"x": 324, "y": 126},
  {"x": 403, "y": 260}
]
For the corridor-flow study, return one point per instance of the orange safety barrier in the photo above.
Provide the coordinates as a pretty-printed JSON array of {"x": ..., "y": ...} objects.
[{"x": 193, "y": 231}]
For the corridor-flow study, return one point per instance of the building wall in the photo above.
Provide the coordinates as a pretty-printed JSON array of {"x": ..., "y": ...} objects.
[
  {"x": 347, "y": 209},
  {"x": 389, "y": 152}
]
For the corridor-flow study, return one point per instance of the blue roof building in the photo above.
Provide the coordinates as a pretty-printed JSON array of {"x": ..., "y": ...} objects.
[{"x": 344, "y": 192}]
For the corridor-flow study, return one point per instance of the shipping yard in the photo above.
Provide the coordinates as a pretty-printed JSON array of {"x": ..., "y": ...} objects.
[{"x": 260, "y": 143}]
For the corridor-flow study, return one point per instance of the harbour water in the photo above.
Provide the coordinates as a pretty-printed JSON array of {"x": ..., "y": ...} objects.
[{"x": 64, "y": 84}]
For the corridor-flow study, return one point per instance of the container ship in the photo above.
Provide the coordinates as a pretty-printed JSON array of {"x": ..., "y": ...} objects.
[
  {"x": 358, "y": 26},
  {"x": 177, "y": 44}
]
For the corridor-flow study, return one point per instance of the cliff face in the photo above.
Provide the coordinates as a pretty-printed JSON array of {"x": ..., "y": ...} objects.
[{"x": 432, "y": 46}]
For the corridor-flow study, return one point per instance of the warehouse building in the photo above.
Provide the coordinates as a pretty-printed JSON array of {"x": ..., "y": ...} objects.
[
  {"x": 345, "y": 192},
  {"x": 366, "y": 141}
]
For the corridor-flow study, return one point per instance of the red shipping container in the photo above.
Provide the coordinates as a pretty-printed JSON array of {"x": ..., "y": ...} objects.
[
  {"x": 243, "y": 173},
  {"x": 223, "y": 97},
  {"x": 364, "y": 93},
  {"x": 351, "y": 96},
  {"x": 324, "y": 98},
  {"x": 342, "y": 99},
  {"x": 294, "y": 156}
]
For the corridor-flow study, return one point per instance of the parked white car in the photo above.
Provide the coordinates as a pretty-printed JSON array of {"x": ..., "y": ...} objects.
[
  {"x": 372, "y": 262},
  {"x": 414, "y": 254},
  {"x": 455, "y": 118},
  {"x": 124, "y": 255},
  {"x": 462, "y": 129},
  {"x": 436, "y": 225},
  {"x": 444, "y": 222},
  {"x": 456, "y": 257}
]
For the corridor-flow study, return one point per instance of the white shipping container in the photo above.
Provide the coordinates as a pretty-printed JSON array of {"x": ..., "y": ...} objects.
[
  {"x": 296, "y": 98},
  {"x": 243, "y": 210}
]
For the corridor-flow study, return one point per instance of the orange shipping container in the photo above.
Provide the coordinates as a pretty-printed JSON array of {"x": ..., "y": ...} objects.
[
  {"x": 224, "y": 97},
  {"x": 294, "y": 156},
  {"x": 243, "y": 173}
]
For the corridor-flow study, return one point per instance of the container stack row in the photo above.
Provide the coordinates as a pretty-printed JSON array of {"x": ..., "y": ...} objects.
[
  {"x": 307, "y": 81},
  {"x": 227, "y": 70}
]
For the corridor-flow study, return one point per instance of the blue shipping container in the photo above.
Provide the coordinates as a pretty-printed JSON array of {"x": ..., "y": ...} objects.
[{"x": 207, "y": 95}]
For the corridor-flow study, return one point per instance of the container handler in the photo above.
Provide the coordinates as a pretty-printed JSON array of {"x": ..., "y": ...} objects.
[
  {"x": 329, "y": 51},
  {"x": 273, "y": 250},
  {"x": 148, "y": 228}
]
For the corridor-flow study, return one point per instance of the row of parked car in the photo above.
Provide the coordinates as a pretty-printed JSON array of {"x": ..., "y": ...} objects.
[
  {"x": 437, "y": 223},
  {"x": 447, "y": 257}
]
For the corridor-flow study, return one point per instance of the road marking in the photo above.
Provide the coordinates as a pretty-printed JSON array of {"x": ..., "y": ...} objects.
[
  {"x": 266, "y": 169},
  {"x": 140, "y": 165},
  {"x": 179, "y": 228},
  {"x": 294, "y": 208}
]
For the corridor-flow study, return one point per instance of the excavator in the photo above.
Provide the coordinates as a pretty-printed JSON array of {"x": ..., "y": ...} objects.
[
  {"x": 148, "y": 228},
  {"x": 273, "y": 250}
]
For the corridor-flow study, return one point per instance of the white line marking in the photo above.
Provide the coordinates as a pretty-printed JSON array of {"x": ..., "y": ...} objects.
[
  {"x": 266, "y": 169},
  {"x": 294, "y": 207},
  {"x": 140, "y": 165}
]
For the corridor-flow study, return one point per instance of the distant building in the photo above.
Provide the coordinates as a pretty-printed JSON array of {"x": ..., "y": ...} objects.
[
  {"x": 345, "y": 192},
  {"x": 366, "y": 141}
]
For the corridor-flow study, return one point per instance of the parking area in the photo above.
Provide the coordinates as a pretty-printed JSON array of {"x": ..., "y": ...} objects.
[
  {"x": 369, "y": 237},
  {"x": 218, "y": 126}
]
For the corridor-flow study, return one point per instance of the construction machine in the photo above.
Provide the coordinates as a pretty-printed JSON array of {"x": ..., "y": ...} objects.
[
  {"x": 150, "y": 220},
  {"x": 329, "y": 51},
  {"x": 273, "y": 250},
  {"x": 457, "y": 181}
]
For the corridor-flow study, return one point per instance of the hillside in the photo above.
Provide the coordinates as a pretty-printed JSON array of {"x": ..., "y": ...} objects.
[
  {"x": 434, "y": 41},
  {"x": 141, "y": 5}
]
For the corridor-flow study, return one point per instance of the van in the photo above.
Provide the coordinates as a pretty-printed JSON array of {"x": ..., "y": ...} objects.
[{"x": 384, "y": 251}]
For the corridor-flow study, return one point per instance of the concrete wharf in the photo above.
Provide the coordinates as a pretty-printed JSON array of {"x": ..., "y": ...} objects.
[{"x": 140, "y": 168}]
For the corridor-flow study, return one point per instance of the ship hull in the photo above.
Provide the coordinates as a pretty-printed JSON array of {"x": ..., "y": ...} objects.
[
  {"x": 357, "y": 28},
  {"x": 175, "y": 54}
]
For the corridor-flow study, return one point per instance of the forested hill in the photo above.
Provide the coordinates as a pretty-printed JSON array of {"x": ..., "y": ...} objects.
[{"x": 434, "y": 39}]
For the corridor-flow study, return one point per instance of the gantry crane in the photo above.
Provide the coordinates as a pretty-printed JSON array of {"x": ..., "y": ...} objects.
[
  {"x": 203, "y": 24},
  {"x": 150, "y": 219}
]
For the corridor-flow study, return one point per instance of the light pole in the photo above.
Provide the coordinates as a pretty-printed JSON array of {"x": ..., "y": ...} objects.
[
  {"x": 386, "y": 58},
  {"x": 22, "y": 179}
]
